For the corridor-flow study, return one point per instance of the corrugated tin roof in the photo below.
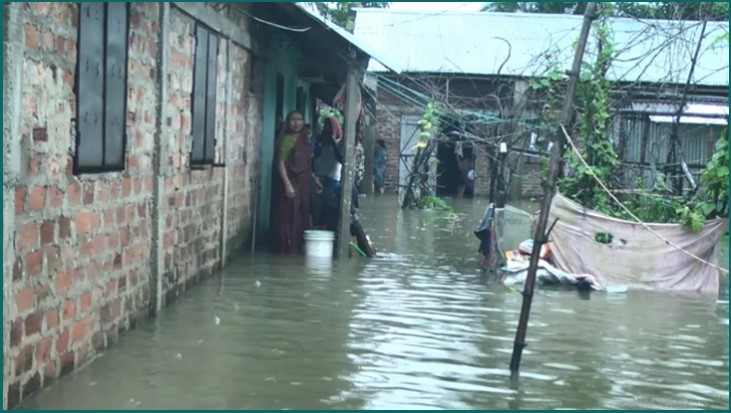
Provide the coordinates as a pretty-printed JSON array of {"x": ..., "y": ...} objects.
[
  {"x": 377, "y": 54},
  {"x": 476, "y": 43}
]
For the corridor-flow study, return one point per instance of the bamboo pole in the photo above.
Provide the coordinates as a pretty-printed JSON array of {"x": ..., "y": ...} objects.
[{"x": 541, "y": 237}]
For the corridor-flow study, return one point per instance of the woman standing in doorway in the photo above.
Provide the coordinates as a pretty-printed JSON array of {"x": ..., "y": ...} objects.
[{"x": 294, "y": 167}]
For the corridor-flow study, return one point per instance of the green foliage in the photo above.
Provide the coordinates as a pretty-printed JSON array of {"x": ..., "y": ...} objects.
[
  {"x": 715, "y": 11},
  {"x": 436, "y": 203},
  {"x": 594, "y": 114},
  {"x": 326, "y": 112},
  {"x": 535, "y": 7},
  {"x": 343, "y": 13},
  {"x": 428, "y": 122},
  {"x": 712, "y": 202},
  {"x": 418, "y": 190}
]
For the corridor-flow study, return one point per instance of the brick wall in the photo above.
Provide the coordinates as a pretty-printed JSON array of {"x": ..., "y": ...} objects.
[
  {"x": 482, "y": 170},
  {"x": 83, "y": 250},
  {"x": 389, "y": 111},
  {"x": 532, "y": 181}
]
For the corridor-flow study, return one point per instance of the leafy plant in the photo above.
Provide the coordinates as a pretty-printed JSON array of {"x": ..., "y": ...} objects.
[
  {"x": 594, "y": 112},
  {"x": 343, "y": 13}
]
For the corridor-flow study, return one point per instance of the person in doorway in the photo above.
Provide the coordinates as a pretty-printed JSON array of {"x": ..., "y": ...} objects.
[
  {"x": 294, "y": 167},
  {"x": 359, "y": 163},
  {"x": 327, "y": 166},
  {"x": 379, "y": 166},
  {"x": 310, "y": 137}
]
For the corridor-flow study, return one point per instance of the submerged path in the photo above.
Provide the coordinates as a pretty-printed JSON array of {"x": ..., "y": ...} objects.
[{"x": 420, "y": 328}]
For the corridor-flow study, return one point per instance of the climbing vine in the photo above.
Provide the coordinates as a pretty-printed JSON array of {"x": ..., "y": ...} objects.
[
  {"x": 594, "y": 110},
  {"x": 417, "y": 189},
  {"x": 595, "y": 117}
]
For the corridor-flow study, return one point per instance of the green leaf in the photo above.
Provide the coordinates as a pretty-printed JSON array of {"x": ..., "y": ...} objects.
[
  {"x": 707, "y": 209},
  {"x": 722, "y": 171}
]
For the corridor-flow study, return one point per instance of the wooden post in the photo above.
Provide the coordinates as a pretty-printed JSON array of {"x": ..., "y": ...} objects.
[
  {"x": 540, "y": 236},
  {"x": 348, "y": 169}
]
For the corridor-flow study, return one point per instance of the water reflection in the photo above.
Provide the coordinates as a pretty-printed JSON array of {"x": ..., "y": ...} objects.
[{"x": 420, "y": 327}]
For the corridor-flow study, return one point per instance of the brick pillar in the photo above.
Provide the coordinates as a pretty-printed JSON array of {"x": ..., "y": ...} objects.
[
  {"x": 226, "y": 158},
  {"x": 12, "y": 72},
  {"x": 160, "y": 156}
]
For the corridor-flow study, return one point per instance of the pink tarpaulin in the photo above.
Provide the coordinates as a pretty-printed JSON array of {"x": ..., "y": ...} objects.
[{"x": 635, "y": 257}]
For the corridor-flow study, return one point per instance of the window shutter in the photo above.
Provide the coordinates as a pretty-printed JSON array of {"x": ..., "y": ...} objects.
[
  {"x": 211, "y": 98},
  {"x": 90, "y": 81},
  {"x": 115, "y": 96},
  {"x": 199, "y": 95}
]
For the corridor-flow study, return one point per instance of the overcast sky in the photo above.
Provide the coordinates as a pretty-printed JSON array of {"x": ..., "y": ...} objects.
[{"x": 436, "y": 6}]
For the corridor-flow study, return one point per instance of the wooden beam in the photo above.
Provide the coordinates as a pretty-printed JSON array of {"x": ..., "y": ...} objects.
[{"x": 346, "y": 176}]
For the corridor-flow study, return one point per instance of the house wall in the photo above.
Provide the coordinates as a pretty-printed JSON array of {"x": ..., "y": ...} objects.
[{"x": 87, "y": 256}]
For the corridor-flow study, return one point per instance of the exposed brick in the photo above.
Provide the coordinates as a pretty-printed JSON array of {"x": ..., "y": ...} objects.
[
  {"x": 20, "y": 193},
  {"x": 31, "y": 36},
  {"x": 62, "y": 342},
  {"x": 37, "y": 198},
  {"x": 98, "y": 341},
  {"x": 67, "y": 362},
  {"x": 17, "y": 270},
  {"x": 16, "y": 332},
  {"x": 88, "y": 193},
  {"x": 85, "y": 222},
  {"x": 50, "y": 371},
  {"x": 103, "y": 194},
  {"x": 27, "y": 236},
  {"x": 63, "y": 283},
  {"x": 34, "y": 263},
  {"x": 33, "y": 323},
  {"x": 43, "y": 351},
  {"x": 48, "y": 41},
  {"x": 74, "y": 193},
  {"x": 24, "y": 361},
  {"x": 85, "y": 302},
  {"x": 60, "y": 43},
  {"x": 47, "y": 232},
  {"x": 55, "y": 197},
  {"x": 40, "y": 135},
  {"x": 52, "y": 319},
  {"x": 64, "y": 227},
  {"x": 54, "y": 261},
  {"x": 69, "y": 309},
  {"x": 25, "y": 299},
  {"x": 80, "y": 330}
]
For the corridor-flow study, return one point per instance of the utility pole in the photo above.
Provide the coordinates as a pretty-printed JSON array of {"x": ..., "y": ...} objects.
[{"x": 541, "y": 237}]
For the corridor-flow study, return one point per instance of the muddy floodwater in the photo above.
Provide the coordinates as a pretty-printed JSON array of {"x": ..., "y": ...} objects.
[{"x": 420, "y": 328}]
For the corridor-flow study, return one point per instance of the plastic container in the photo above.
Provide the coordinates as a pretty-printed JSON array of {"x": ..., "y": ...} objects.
[{"x": 319, "y": 244}]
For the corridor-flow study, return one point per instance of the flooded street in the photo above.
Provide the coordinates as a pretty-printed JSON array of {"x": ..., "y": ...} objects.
[{"x": 420, "y": 328}]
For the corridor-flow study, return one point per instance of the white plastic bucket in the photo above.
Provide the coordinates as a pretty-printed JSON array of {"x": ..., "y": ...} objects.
[{"x": 319, "y": 244}]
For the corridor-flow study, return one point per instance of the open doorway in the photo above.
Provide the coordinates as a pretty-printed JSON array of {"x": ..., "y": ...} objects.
[
  {"x": 278, "y": 123},
  {"x": 456, "y": 160}
]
